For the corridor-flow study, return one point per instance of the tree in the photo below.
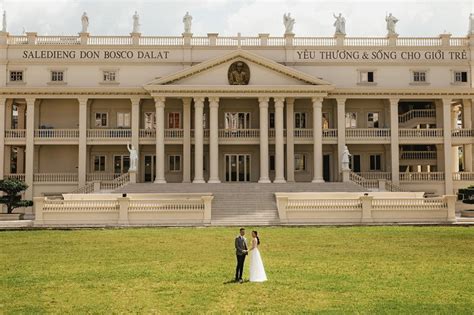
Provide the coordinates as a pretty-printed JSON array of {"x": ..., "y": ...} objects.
[{"x": 12, "y": 189}]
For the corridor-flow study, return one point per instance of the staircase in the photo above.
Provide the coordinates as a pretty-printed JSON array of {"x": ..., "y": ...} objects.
[
  {"x": 241, "y": 204},
  {"x": 415, "y": 117}
]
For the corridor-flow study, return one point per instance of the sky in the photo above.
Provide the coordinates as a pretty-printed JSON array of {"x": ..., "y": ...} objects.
[{"x": 229, "y": 17}]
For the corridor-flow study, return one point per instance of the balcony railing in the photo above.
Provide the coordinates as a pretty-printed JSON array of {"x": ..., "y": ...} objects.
[
  {"x": 147, "y": 133},
  {"x": 368, "y": 133},
  {"x": 420, "y": 133},
  {"x": 418, "y": 155},
  {"x": 101, "y": 176},
  {"x": 174, "y": 133},
  {"x": 422, "y": 176},
  {"x": 376, "y": 175},
  {"x": 462, "y": 133},
  {"x": 416, "y": 113},
  {"x": 15, "y": 176},
  {"x": 15, "y": 133},
  {"x": 55, "y": 177},
  {"x": 239, "y": 133},
  {"x": 303, "y": 133},
  {"x": 109, "y": 133},
  {"x": 464, "y": 176},
  {"x": 330, "y": 133},
  {"x": 56, "y": 133}
]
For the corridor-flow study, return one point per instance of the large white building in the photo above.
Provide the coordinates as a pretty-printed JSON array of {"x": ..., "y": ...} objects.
[{"x": 236, "y": 109}]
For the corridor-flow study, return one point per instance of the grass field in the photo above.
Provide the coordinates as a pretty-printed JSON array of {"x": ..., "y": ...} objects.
[{"x": 187, "y": 270}]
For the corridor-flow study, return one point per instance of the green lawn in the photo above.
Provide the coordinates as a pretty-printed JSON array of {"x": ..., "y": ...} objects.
[{"x": 186, "y": 270}]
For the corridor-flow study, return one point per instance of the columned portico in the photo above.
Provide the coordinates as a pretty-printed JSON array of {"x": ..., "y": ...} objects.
[
  {"x": 198, "y": 140},
  {"x": 263, "y": 106},
  {"x": 317, "y": 140},
  {"x": 160, "y": 140},
  {"x": 214, "y": 140},
  {"x": 279, "y": 141}
]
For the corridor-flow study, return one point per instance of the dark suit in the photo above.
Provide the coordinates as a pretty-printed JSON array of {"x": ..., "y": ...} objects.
[{"x": 240, "y": 246}]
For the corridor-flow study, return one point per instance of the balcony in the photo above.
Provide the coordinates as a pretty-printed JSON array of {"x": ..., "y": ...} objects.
[
  {"x": 15, "y": 176},
  {"x": 415, "y": 117},
  {"x": 422, "y": 176},
  {"x": 462, "y": 136},
  {"x": 368, "y": 135},
  {"x": 15, "y": 136},
  {"x": 119, "y": 136},
  {"x": 55, "y": 178},
  {"x": 420, "y": 136},
  {"x": 63, "y": 136},
  {"x": 91, "y": 177}
]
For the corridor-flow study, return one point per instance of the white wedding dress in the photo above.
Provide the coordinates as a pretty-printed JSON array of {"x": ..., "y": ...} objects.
[{"x": 257, "y": 271}]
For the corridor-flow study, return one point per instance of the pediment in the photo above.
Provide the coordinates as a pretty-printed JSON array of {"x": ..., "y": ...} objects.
[{"x": 262, "y": 72}]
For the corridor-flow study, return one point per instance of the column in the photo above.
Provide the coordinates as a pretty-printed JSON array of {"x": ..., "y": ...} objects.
[
  {"x": 290, "y": 141},
  {"x": 317, "y": 140},
  {"x": 160, "y": 140},
  {"x": 2, "y": 138},
  {"x": 279, "y": 141},
  {"x": 30, "y": 146},
  {"x": 198, "y": 140},
  {"x": 394, "y": 142},
  {"x": 263, "y": 105},
  {"x": 214, "y": 140},
  {"x": 135, "y": 110},
  {"x": 341, "y": 133},
  {"x": 186, "y": 140},
  {"x": 467, "y": 120},
  {"x": 448, "y": 165},
  {"x": 82, "y": 157},
  {"x": 455, "y": 149}
]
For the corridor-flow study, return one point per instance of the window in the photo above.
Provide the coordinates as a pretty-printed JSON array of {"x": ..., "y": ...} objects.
[
  {"x": 16, "y": 76},
  {"x": 174, "y": 120},
  {"x": 123, "y": 120},
  {"x": 373, "y": 120},
  {"x": 174, "y": 163},
  {"x": 99, "y": 163},
  {"x": 351, "y": 120},
  {"x": 237, "y": 120},
  {"x": 300, "y": 162},
  {"x": 300, "y": 120},
  {"x": 271, "y": 165},
  {"x": 101, "y": 119},
  {"x": 271, "y": 120},
  {"x": 354, "y": 163},
  {"x": 419, "y": 76},
  {"x": 325, "y": 122},
  {"x": 375, "y": 162},
  {"x": 150, "y": 120},
  {"x": 121, "y": 164},
  {"x": 366, "y": 77},
  {"x": 57, "y": 76},
  {"x": 109, "y": 76},
  {"x": 460, "y": 76}
]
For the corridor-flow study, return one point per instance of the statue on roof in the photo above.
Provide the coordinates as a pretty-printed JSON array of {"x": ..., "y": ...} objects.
[
  {"x": 136, "y": 23},
  {"x": 85, "y": 22},
  {"x": 289, "y": 23},
  {"x": 340, "y": 24},
  {"x": 391, "y": 22},
  {"x": 187, "y": 20}
]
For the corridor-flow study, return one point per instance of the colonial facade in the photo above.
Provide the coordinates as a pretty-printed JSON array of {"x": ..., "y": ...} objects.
[{"x": 236, "y": 109}]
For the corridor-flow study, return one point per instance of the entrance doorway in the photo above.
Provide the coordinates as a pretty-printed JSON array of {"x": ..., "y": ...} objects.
[
  {"x": 237, "y": 167},
  {"x": 326, "y": 168},
  {"x": 149, "y": 163}
]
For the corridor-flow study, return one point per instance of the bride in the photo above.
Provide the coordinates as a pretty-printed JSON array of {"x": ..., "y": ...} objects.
[{"x": 257, "y": 271}]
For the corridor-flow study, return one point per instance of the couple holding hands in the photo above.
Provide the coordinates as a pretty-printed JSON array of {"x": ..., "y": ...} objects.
[{"x": 257, "y": 271}]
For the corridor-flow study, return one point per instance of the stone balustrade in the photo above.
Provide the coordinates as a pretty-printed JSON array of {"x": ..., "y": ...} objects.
[
  {"x": 422, "y": 176},
  {"x": 374, "y": 207},
  {"x": 15, "y": 133},
  {"x": 235, "y": 41},
  {"x": 134, "y": 209},
  {"x": 56, "y": 133},
  {"x": 109, "y": 133},
  {"x": 416, "y": 113},
  {"x": 418, "y": 155},
  {"x": 55, "y": 177}
]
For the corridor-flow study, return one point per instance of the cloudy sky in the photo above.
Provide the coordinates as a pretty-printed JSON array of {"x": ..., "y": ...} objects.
[{"x": 228, "y": 17}]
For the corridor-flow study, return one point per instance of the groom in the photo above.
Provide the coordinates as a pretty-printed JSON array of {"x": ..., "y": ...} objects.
[{"x": 241, "y": 251}]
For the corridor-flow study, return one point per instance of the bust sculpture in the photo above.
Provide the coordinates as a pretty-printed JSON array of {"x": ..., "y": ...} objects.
[
  {"x": 85, "y": 22},
  {"x": 239, "y": 73},
  {"x": 345, "y": 159},
  {"x": 187, "y": 21},
  {"x": 391, "y": 21},
  {"x": 289, "y": 23},
  {"x": 340, "y": 24},
  {"x": 4, "y": 22},
  {"x": 133, "y": 157},
  {"x": 136, "y": 23}
]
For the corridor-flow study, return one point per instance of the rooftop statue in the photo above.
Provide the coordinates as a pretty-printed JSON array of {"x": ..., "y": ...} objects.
[
  {"x": 187, "y": 20},
  {"x": 391, "y": 21},
  {"x": 289, "y": 23},
  {"x": 85, "y": 22},
  {"x": 340, "y": 24},
  {"x": 4, "y": 22},
  {"x": 471, "y": 24},
  {"x": 136, "y": 23}
]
